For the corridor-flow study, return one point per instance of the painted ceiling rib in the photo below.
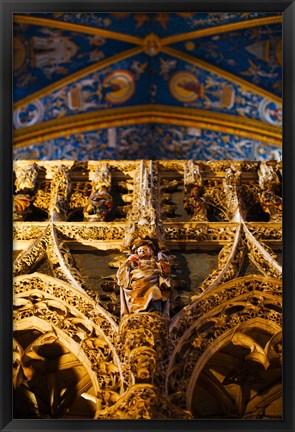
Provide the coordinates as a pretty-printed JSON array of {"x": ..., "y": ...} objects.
[
  {"x": 221, "y": 72},
  {"x": 221, "y": 29},
  {"x": 78, "y": 75},
  {"x": 157, "y": 114},
  {"x": 45, "y": 22}
]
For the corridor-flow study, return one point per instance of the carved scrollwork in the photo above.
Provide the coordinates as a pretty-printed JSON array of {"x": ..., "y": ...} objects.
[
  {"x": 42, "y": 285},
  {"x": 142, "y": 401},
  {"x": 31, "y": 256},
  {"x": 143, "y": 344},
  {"x": 204, "y": 333},
  {"x": 265, "y": 232},
  {"x": 143, "y": 219},
  {"x": 95, "y": 231},
  {"x": 221, "y": 294}
]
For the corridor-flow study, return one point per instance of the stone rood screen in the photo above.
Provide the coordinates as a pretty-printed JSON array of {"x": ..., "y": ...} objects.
[{"x": 147, "y": 289}]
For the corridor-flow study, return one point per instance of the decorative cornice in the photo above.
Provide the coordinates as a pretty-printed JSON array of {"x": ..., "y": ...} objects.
[
  {"x": 221, "y": 29},
  {"x": 188, "y": 117},
  {"x": 76, "y": 76},
  {"x": 221, "y": 72},
  {"x": 45, "y": 22}
]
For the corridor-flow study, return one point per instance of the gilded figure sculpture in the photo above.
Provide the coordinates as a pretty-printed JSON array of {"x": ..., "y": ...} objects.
[
  {"x": 99, "y": 205},
  {"x": 196, "y": 205},
  {"x": 145, "y": 281}
]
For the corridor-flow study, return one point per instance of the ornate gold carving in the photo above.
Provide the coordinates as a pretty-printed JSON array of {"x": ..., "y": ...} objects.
[
  {"x": 26, "y": 177},
  {"x": 230, "y": 260},
  {"x": 144, "y": 280},
  {"x": 35, "y": 252},
  {"x": 100, "y": 201},
  {"x": 145, "y": 363},
  {"x": 143, "y": 401},
  {"x": 209, "y": 322},
  {"x": 269, "y": 182},
  {"x": 60, "y": 191},
  {"x": 143, "y": 219},
  {"x": 21, "y": 203}
]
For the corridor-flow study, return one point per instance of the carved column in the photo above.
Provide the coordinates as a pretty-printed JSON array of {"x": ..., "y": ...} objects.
[
  {"x": 232, "y": 189},
  {"x": 60, "y": 191}
]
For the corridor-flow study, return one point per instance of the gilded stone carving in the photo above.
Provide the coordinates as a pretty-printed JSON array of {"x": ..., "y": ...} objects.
[
  {"x": 21, "y": 204},
  {"x": 60, "y": 192},
  {"x": 269, "y": 183},
  {"x": 100, "y": 200},
  {"x": 26, "y": 177},
  {"x": 200, "y": 299},
  {"x": 144, "y": 280}
]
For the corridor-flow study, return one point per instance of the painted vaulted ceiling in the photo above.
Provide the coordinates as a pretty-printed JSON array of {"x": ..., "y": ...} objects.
[{"x": 156, "y": 86}]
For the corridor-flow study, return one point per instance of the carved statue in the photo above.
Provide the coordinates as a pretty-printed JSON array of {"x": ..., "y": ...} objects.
[
  {"x": 21, "y": 204},
  {"x": 100, "y": 201},
  {"x": 26, "y": 178},
  {"x": 144, "y": 281},
  {"x": 196, "y": 205},
  {"x": 271, "y": 202},
  {"x": 99, "y": 205}
]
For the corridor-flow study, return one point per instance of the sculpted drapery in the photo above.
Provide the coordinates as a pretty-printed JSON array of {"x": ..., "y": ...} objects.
[{"x": 144, "y": 282}]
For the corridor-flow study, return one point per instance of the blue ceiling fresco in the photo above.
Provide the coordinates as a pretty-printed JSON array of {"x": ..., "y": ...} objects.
[
  {"x": 44, "y": 55},
  {"x": 163, "y": 24},
  {"x": 255, "y": 54},
  {"x": 191, "y": 143},
  {"x": 181, "y": 84},
  {"x": 71, "y": 64},
  {"x": 124, "y": 84},
  {"x": 150, "y": 142},
  {"x": 139, "y": 81}
]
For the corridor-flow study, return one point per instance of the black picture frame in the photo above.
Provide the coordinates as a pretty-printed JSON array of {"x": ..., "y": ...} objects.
[{"x": 7, "y": 9}]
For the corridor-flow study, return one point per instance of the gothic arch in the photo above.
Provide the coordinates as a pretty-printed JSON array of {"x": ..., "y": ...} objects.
[
  {"x": 44, "y": 306},
  {"x": 51, "y": 373},
  {"x": 224, "y": 365},
  {"x": 219, "y": 318}
]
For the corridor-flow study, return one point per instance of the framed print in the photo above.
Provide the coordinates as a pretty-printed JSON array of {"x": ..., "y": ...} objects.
[{"x": 147, "y": 216}]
